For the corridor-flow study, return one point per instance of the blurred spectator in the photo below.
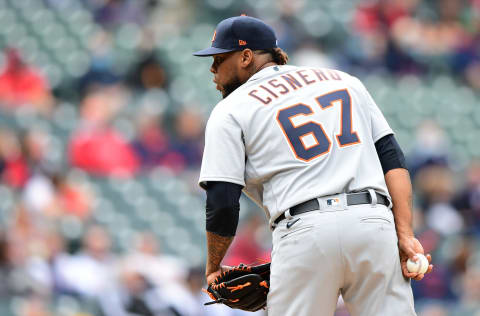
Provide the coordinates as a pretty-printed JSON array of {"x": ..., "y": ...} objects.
[
  {"x": 46, "y": 190},
  {"x": 189, "y": 127},
  {"x": 14, "y": 169},
  {"x": 373, "y": 47},
  {"x": 192, "y": 298},
  {"x": 378, "y": 14},
  {"x": 21, "y": 84},
  {"x": 47, "y": 266},
  {"x": 102, "y": 67},
  {"x": 248, "y": 247},
  {"x": 54, "y": 195},
  {"x": 35, "y": 143},
  {"x": 469, "y": 303},
  {"x": 34, "y": 306},
  {"x": 39, "y": 191},
  {"x": 431, "y": 147},
  {"x": 438, "y": 286},
  {"x": 196, "y": 298},
  {"x": 73, "y": 198},
  {"x": 20, "y": 246},
  {"x": 148, "y": 280},
  {"x": 91, "y": 271},
  {"x": 309, "y": 54},
  {"x": 158, "y": 268},
  {"x": 468, "y": 198},
  {"x": 39, "y": 194},
  {"x": 289, "y": 29},
  {"x": 465, "y": 247},
  {"x": 134, "y": 295},
  {"x": 149, "y": 73},
  {"x": 153, "y": 145},
  {"x": 178, "y": 290},
  {"x": 436, "y": 189},
  {"x": 434, "y": 308},
  {"x": 472, "y": 73},
  {"x": 114, "y": 13},
  {"x": 96, "y": 147},
  {"x": 466, "y": 57},
  {"x": 409, "y": 42},
  {"x": 439, "y": 36}
]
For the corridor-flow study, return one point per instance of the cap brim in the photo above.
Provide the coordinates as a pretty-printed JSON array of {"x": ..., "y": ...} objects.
[{"x": 212, "y": 51}]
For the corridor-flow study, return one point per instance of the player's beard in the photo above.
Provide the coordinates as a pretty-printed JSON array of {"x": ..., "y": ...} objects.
[{"x": 231, "y": 86}]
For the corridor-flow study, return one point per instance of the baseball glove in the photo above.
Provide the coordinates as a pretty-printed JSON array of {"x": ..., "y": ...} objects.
[{"x": 243, "y": 287}]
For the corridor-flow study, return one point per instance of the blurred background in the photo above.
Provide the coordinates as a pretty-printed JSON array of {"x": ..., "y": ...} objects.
[{"x": 102, "y": 114}]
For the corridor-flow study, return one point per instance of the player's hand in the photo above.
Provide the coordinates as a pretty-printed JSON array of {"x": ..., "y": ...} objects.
[
  {"x": 408, "y": 247},
  {"x": 213, "y": 275}
]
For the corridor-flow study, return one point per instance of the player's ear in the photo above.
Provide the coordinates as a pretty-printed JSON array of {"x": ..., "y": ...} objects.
[{"x": 246, "y": 58}]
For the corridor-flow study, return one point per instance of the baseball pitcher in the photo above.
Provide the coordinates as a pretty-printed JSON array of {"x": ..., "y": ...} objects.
[{"x": 310, "y": 146}]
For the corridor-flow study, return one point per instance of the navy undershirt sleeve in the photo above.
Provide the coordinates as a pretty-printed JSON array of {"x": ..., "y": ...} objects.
[
  {"x": 390, "y": 153},
  {"x": 223, "y": 207}
]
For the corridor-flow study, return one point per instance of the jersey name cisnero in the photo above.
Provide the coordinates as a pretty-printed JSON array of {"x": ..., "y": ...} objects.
[{"x": 290, "y": 134}]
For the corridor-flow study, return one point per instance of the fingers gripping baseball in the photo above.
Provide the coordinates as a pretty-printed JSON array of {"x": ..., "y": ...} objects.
[{"x": 411, "y": 248}]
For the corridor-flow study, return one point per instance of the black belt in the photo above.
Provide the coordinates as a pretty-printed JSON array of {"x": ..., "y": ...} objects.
[{"x": 352, "y": 199}]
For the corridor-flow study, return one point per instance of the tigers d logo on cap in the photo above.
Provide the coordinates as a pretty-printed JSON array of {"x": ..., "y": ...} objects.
[{"x": 240, "y": 32}]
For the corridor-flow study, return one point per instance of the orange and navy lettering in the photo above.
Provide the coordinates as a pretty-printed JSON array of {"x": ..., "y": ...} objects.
[
  {"x": 347, "y": 136},
  {"x": 290, "y": 79},
  {"x": 268, "y": 90},
  {"x": 253, "y": 94},
  {"x": 276, "y": 85},
  {"x": 285, "y": 83},
  {"x": 304, "y": 77},
  {"x": 296, "y": 134},
  {"x": 320, "y": 74},
  {"x": 334, "y": 75}
]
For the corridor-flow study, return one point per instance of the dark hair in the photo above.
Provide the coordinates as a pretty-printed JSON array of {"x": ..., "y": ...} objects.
[{"x": 278, "y": 55}]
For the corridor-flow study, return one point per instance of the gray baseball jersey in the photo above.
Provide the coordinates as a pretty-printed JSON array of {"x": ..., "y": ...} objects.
[{"x": 290, "y": 134}]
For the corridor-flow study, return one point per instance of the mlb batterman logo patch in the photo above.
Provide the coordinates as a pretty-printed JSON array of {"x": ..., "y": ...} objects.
[
  {"x": 242, "y": 43},
  {"x": 333, "y": 202}
]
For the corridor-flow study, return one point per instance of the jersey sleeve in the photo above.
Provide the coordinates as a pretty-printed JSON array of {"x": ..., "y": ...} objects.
[
  {"x": 380, "y": 127},
  {"x": 224, "y": 152}
]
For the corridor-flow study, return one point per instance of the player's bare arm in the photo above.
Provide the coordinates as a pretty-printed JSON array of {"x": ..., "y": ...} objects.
[
  {"x": 217, "y": 246},
  {"x": 400, "y": 188}
]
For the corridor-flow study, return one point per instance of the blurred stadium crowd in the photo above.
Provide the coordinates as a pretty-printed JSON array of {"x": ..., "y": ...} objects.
[{"x": 102, "y": 112}]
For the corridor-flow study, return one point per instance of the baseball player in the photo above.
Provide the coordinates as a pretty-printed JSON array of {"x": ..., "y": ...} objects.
[{"x": 311, "y": 147}]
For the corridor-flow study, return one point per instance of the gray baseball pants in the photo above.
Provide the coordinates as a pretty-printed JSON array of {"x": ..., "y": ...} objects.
[{"x": 348, "y": 250}]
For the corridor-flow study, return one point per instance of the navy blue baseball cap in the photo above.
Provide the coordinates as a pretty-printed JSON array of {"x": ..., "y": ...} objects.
[{"x": 238, "y": 33}]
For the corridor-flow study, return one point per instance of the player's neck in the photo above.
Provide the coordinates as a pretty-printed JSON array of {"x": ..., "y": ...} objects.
[
  {"x": 253, "y": 70},
  {"x": 265, "y": 65}
]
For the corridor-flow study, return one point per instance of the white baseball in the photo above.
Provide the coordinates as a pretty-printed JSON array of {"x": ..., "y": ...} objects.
[{"x": 419, "y": 266}]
